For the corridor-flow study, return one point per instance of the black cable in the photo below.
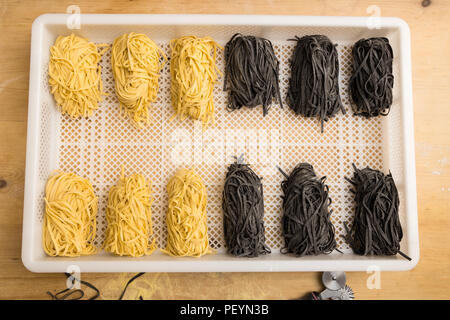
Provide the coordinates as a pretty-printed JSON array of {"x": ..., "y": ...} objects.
[
  {"x": 128, "y": 283},
  {"x": 372, "y": 80},
  {"x": 251, "y": 73},
  {"x": 243, "y": 207},
  {"x": 57, "y": 296},
  {"x": 307, "y": 229},
  {"x": 376, "y": 228},
  {"x": 314, "y": 84},
  {"x": 68, "y": 292}
]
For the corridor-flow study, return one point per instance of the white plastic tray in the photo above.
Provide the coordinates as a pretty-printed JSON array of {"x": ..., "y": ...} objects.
[{"x": 96, "y": 147}]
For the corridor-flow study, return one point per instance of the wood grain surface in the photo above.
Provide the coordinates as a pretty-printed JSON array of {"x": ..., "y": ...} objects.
[{"x": 431, "y": 74}]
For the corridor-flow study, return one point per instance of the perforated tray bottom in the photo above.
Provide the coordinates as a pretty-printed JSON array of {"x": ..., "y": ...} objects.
[{"x": 97, "y": 147}]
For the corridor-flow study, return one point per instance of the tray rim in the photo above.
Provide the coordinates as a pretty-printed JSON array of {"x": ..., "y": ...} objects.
[{"x": 230, "y": 264}]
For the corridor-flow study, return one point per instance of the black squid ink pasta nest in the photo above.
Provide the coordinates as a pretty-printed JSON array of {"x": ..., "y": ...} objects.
[
  {"x": 243, "y": 208},
  {"x": 314, "y": 84},
  {"x": 376, "y": 228},
  {"x": 372, "y": 80},
  {"x": 251, "y": 73},
  {"x": 306, "y": 225}
]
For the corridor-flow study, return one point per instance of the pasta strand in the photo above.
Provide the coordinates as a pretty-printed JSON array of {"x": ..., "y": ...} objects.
[
  {"x": 70, "y": 223},
  {"x": 136, "y": 64},
  {"x": 243, "y": 212},
  {"x": 129, "y": 217},
  {"x": 75, "y": 75},
  {"x": 186, "y": 216},
  {"x": 193, "y": 74}
]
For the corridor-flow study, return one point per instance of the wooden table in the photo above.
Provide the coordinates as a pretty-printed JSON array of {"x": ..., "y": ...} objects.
[{"x": 431, "y": 73}]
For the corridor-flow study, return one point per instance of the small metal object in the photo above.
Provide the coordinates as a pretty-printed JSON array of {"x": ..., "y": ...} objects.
[
  {"x": 347, "y": 293},
  {"x": 334, "y": 280},
  {"x": 336, "y": 289}
]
